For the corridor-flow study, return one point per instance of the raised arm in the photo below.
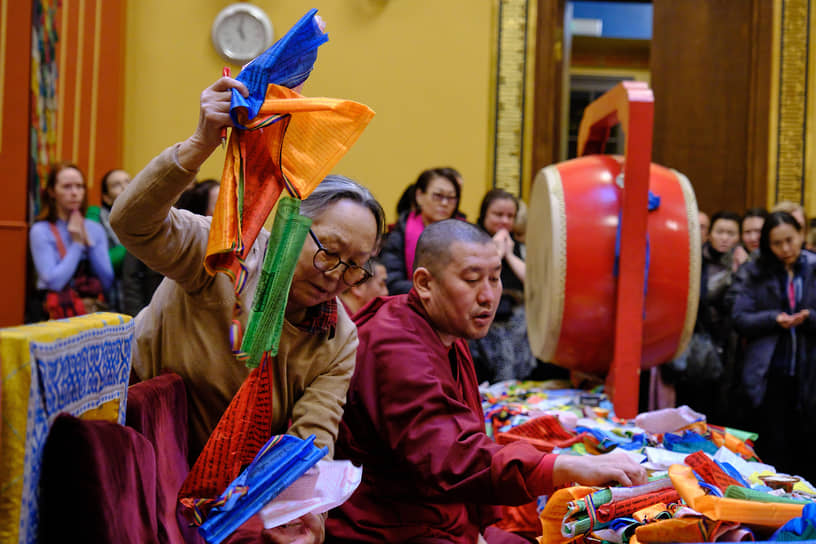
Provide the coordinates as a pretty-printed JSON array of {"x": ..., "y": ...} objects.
[
  {"x": 169, "y": 241},
  {"x": 506, "y": 245},
  {"x": 516, "y": 264}
]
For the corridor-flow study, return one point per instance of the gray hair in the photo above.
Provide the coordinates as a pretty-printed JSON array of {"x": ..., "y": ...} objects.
[
  {"x": 433, "y": 246},
  {"x": 334, "y": 188}
]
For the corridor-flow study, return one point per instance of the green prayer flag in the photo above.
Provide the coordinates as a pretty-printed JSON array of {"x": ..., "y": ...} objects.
[{"x": 266, "y": 316}]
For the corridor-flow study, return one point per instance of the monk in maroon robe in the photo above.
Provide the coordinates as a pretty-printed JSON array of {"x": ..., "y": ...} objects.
[{"x": 413, "y": 418}]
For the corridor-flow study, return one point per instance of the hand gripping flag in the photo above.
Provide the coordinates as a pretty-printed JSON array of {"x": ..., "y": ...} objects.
[{"x": 284, "y": 141}]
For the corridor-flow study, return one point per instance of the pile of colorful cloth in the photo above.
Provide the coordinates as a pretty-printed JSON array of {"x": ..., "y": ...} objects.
[{"x": 706, "y": 483}]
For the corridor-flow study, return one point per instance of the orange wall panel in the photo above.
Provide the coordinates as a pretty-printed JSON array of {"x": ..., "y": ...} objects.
[
  {"x": 15, "y": 63},
  {"x": 85, "y": 88},
  {"x": 67, "y": 18},
  {"x": 90, "y": 91},
  {"x": 15, "y": 48},
  {"x": 90, "y": 98},
  {"x": 110, "y": 112}
]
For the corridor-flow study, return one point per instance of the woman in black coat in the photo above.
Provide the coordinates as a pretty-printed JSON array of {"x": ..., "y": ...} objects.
[
  {"x": 436, "y": 196},
  {"x": 775, "y": 310}
]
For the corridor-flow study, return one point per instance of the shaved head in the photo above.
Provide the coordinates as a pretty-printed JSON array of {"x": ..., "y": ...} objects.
[
  {"x": 433, "y": 249},
  {"x": 457, "y": 276}
]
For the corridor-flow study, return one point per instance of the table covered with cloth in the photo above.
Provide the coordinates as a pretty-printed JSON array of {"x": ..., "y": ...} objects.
[
  {"x": 78, "y": 366},
  {"x": 706, "y": 483}
]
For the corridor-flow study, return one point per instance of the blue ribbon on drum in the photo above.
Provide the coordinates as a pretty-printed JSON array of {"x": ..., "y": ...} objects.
[{"x": 654, "y": 203}]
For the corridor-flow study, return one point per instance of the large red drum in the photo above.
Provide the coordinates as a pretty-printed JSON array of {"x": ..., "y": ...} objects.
[{"x": 570, "y": 283}]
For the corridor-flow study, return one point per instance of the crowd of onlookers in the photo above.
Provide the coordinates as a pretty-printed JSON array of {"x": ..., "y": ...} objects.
[
  {"x": 79, "y": 264},
  {"x": 750, "y": 363},
  {"x": 123, "y": 283}
]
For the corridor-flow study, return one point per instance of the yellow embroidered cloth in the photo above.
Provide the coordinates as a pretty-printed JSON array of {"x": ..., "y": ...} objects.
[{"x": 80, "y": 366}]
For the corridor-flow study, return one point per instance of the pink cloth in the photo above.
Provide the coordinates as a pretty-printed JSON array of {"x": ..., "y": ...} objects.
[
  {"x": 494, "y": 535},
  {"x": 413, "y": 228},
  {"x": 667, "y": 420},
  {"x": 661, "y": 394}
]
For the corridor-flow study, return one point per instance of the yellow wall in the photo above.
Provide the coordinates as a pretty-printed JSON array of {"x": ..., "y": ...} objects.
[{"x": 422, "y": 65}]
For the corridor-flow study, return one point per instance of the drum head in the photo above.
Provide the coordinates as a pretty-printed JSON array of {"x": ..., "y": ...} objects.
[
  {"x": 695, "y": 262},
  {"x": 546, "y": 263},
  {"x": 571, "y": 320}
]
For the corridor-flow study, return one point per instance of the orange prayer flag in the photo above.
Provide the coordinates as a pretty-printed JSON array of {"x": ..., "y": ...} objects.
[
  {"x": 297, "y": 141},
  {"x": 724, "y": 509}
]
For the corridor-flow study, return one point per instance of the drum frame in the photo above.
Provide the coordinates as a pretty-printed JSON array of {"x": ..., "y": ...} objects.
[{"x": 632, "y": 104}]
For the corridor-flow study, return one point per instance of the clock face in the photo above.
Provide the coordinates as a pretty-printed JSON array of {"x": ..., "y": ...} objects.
[{"x": 241, "y": 33}]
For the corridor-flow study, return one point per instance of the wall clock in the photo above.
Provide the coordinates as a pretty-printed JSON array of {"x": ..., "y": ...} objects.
[{"x": 241, "y": 32}]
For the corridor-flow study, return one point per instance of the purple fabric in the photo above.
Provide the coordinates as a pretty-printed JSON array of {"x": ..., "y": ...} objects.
[
  {"x": 251, "y": 532},
  {"x": 157, "y": 408},
  {"x": 98, "y": 484},
  {"x": 494, "y": 535},
  {"x": 413, "y": 228}
]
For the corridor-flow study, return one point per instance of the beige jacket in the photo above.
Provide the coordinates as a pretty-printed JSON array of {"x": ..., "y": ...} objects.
[{"x": 185, "y": 329}]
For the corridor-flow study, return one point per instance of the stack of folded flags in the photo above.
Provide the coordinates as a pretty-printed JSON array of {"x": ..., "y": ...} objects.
[{"x": 706, "y": 483}]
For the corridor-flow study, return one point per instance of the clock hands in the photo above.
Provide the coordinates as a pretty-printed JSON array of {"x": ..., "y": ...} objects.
[{"x": 240, "y": 32}]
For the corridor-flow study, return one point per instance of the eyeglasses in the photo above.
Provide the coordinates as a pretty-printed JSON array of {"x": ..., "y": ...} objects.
[
  {"x": 326, "y": 261},
  {"x": 443, "y": 198}
]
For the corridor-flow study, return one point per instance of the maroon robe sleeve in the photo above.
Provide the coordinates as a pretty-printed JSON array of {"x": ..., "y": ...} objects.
[{"x": 423, "y": 403}]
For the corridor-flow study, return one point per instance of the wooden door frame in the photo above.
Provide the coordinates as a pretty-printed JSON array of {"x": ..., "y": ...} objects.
[
  {"x": 551, "y": 58},
  {"x": 759, "y": 106}
]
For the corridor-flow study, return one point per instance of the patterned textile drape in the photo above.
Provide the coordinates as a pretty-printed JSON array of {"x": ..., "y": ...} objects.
[{"x": 43, "y": 131}]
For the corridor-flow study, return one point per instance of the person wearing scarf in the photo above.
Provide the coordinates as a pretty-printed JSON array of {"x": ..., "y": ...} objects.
[{"x": 185, "y": 328}]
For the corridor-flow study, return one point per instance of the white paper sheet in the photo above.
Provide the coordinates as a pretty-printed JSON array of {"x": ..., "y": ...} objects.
[{"x": 325, "y": 486}]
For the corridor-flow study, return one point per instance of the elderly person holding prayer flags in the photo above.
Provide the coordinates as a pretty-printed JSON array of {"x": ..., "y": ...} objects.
[{"x": 274, "y": 307}]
